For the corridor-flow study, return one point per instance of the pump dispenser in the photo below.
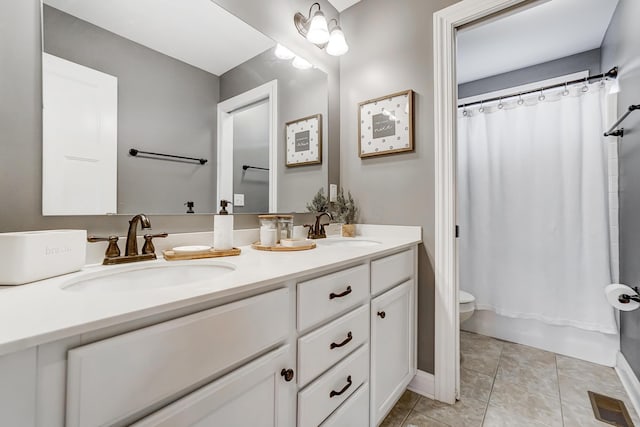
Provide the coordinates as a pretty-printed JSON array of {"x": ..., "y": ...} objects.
[{"x": 223, "y": 228}]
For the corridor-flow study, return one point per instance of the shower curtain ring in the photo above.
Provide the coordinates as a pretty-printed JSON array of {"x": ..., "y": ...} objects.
[
  {"x": 585, "y": 88},
  {"x": 500, "y": 104},
  {"x": 520, "y": 100},
  {"x": 566, "y": 89},
  {"x": 541, "y": 97},
  {"x": 465, "y": 113},
  {"x": 481, "y": 109}
]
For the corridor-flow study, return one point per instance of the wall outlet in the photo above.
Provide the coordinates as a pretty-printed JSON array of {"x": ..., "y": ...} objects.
[
  {"x": 333, "y": 193},
  {"x": 238, "y": 200}
]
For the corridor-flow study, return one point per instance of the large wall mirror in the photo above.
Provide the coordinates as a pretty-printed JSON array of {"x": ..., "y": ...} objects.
[{"x": 151, "y": 106}]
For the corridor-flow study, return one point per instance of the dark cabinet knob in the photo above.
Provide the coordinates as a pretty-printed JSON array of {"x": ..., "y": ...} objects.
[
  {"x": 382, "y": 314},
  {"x": 287, "y": 374}
]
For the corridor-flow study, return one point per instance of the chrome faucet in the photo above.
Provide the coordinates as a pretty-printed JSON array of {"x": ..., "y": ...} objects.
[
  {"x": 112, "y": 255},
  {"x": 316, "y": 231},
  {"x": 132, "y": 236}
]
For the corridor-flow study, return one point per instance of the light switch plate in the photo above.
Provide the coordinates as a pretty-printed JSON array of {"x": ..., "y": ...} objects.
[
  {"x": 238, "y": 200},
  {"x": 333, "y": 193}
]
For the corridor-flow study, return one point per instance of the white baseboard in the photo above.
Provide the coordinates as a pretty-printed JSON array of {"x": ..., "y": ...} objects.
[
  {"x": 629, "y": 381},
  {"x": 423, "y": 383}
]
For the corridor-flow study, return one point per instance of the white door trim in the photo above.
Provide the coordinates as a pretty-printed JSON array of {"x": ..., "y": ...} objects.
[
  {"x": 226, "y": 108},
  {"x": 447, "y": 327},
  {"x": 629, "y": 381}
]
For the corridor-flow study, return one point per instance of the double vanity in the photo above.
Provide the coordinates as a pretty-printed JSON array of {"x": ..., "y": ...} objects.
[{"x": 321, "y": 337}]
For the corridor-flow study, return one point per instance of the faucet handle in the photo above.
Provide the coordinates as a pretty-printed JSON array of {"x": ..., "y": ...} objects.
[
  {"x": 310, "y": 233},
  {"x": 113, "y": 250},
  {"x": 148, "y": 247}
]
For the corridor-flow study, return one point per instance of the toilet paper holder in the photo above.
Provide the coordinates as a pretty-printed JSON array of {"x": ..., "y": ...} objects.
[{"x": 626, "y": 299}]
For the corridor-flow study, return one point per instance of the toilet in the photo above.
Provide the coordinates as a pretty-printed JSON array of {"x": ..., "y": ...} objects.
[{"x": 467, "y": 305}]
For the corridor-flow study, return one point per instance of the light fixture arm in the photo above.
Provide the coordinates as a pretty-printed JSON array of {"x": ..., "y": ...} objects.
[{"x": 302, "y": 22}]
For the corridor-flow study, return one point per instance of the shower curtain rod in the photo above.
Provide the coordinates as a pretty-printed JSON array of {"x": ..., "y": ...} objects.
[{"x": 612, "y": 73}]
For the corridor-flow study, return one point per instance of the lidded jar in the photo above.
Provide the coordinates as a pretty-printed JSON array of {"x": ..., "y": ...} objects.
[
  {"x": 268, "y": 230},
  {"x": 285, "y": 227}
]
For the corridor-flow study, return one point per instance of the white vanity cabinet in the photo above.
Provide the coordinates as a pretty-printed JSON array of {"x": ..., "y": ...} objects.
[
  {"x": 392, "y": 347},
  {"x": 256, "y": 395},
  {"x": 375, "y": 307},
  {"x": 332, "y": 347},
  {"x": 112, "y": 381}
]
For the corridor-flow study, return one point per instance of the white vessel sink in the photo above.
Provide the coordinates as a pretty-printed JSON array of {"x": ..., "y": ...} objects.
[
  {"x": 147, "y": 278},
  {"x": 347, "y": 242}
]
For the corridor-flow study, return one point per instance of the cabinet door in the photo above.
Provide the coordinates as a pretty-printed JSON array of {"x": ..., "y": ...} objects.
[
  {"x": 256, "y": 395},
  {"x": 393, "y": 362}
]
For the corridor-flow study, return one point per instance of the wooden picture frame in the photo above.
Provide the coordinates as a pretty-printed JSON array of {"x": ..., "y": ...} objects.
[
  {"x": 303, "y": 141},
  {"x": 385, "y": 125}
]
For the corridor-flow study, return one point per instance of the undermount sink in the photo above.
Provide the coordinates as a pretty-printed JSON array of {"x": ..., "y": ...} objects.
[
  {"x": 147, "y": 277},
  {"x": 347, "y": 242}
]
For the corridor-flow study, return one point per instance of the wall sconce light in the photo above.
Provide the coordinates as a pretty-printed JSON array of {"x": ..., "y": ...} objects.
[{"x": 316, "y": 29}]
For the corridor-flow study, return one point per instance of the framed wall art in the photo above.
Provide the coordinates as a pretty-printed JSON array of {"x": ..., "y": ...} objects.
[
  {"x": 304, "y": 141},
  {"x": 385, "y": 125}
]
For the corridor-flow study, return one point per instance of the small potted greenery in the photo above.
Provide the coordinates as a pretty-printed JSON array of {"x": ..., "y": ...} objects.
[
  {"x": 319, "y": 203},
  {"x": 346, "y": 213}
]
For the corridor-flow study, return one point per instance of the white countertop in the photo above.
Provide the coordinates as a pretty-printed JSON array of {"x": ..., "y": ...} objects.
[{"x": 42, "y": 311}]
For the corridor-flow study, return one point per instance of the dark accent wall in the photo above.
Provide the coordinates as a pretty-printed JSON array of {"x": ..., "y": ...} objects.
[
  {"x": 164, "y": 106},
  {"x": 391, "y": 49},
  {"x": 589, "y": 60},
  {"x": 301, "y": 93},
  {"x": 621, "y": 47}
]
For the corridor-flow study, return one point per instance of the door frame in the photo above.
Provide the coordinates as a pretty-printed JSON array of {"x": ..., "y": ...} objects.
[
  {"x": 447, "y": 321},
  {"x": 268, "y": 91}
]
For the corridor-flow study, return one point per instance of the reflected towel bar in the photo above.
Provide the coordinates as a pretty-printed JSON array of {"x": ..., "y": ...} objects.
[
  {"x": 245, "y": 167},
  {"x": 134, "y": 152},
  {"x": 620, "y": 132}
]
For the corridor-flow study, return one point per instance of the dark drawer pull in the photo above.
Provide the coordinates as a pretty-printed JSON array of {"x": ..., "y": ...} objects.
[
  {"x": 343, "y": 294},
  {"x": 338, "y": 393},
  {"x": 382, "y": 314},
  {"x": 349, "y": 338}
]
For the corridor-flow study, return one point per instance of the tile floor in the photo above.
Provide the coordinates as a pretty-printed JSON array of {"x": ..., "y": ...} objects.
[{"x": 511, "y": 385}]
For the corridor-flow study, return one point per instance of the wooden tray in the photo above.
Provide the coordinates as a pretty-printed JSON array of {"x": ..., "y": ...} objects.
[
  {"x": 211, "y": 253},
  {"x": 279, "y": 248}
]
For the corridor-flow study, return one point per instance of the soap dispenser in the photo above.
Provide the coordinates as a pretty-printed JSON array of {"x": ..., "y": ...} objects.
[{"x": 223, "y": 228}]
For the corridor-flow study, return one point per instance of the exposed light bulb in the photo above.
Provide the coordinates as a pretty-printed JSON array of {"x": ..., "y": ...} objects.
[
  {"x": 301, "y": 64},
  {"x": 283, "y": 53},
  {"x": 318, "y": 32},
  {"x": 337, "y": 43}
]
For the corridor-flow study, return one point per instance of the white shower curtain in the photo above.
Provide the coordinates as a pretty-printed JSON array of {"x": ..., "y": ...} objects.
[{"x": 533, "y": 199}]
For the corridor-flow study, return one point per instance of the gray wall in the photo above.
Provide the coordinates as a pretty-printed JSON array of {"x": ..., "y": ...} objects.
[
  {"x": 391, "y": 49},
  {"x": 164, "y": 106},
  {"x": 589, "y": 60},
  {"x": 21, "y": 116},
  {"x": 251, "y": 147},
  {"x": 301, "y": 93},
  {"x": 622, "y": 47}
]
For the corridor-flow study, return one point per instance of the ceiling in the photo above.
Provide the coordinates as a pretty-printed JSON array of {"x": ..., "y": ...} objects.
[
  {"x": 542, "y": 33},
  {"x": 171, "y": 27},
  {"x": 341, "y": 5}
]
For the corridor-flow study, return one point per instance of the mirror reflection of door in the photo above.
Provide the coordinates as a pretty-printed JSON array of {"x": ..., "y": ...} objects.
[
  {"x": 80, "y": 126},
  {"x": 251, "y": 158}
]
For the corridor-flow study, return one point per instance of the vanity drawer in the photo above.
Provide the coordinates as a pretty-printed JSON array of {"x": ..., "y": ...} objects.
[
  {"x": 353, "y": 413},
  {"x": 110, "y": 380},
  {"x": 392, "y": 270},
  {"x": 322, "y": 397},
  {"x": 324, "y": 297},
  {"x": 321, "y": 349}
]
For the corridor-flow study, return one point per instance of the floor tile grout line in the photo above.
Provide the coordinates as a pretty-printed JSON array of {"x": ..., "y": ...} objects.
[
  {"x": 555, "y": 357},
  {"x": 495, "y": 375}
]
